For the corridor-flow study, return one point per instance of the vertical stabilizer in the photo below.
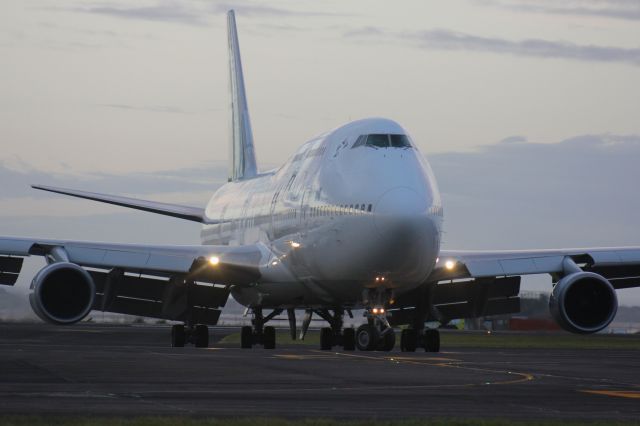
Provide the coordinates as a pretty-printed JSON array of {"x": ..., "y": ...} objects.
[{"x": 242, "y": 155}]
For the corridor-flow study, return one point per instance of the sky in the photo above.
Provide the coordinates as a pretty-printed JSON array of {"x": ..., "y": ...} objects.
[{"x": 527, "y": 110}]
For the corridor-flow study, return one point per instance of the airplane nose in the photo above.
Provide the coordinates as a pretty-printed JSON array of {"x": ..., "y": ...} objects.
[
  {"x": 401, "y": 201},
  {"x": 401, "y": 214}
]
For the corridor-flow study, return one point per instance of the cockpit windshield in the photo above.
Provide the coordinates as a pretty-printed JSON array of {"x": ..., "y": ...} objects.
[{"x": 383, "y": 141}]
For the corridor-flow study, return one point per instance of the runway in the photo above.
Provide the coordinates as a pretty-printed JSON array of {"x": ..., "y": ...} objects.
[{"x": 93, "y": 369}]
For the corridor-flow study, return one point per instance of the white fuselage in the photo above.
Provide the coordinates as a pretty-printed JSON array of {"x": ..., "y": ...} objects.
[{"x": 333, "y": 218}]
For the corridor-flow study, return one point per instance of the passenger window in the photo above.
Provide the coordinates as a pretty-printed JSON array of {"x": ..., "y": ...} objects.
[
  {"x": 400, "y": 141},
  {"x": 378, "y": 141}
]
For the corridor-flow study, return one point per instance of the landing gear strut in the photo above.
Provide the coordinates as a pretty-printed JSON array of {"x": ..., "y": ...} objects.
[
  {"x": 198, "y": 335},
  {"x": 257, "y": 333}
]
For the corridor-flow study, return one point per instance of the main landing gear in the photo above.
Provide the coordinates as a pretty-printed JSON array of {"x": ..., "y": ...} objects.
[
  {"x": 336, "y": 334},
  {"x": 411, "y": 339},
  {"x": 257, "y": 333},
  {"x": 198, "y": 335}
]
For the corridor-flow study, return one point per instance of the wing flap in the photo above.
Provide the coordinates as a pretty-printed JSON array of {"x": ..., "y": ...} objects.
[
  {"x": 151, "y": 309},
  {"x": 171, "y": 299},
  {"x": 10, "y": 268}
]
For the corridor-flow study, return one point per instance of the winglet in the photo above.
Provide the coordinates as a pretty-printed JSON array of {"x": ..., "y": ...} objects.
[
  {"x": 194, "y": 214},
  {"x": 242, "y": 155}
]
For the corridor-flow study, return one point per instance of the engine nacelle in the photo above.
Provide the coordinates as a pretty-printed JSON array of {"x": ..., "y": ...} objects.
[
  {"x": 62, "y": 293},
  {"x": 583, "y": 302}
]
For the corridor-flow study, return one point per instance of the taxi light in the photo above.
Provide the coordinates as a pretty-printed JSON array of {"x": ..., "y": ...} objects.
[
  {"x": 449, "y": 264},
  {"x": 214, "y": 260},
  {"x": 295, "y": 244},
  {"x": 375, "y": 310},
  {"x": 274, "y": 263},
  {"x": 381, "y": 310}
]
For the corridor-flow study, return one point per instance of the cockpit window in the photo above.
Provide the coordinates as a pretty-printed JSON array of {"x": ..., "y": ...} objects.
[
  {"x": 383, "y": 141},
  {"x": 400, "y": 141},
  {"x": 379, "y": 141},
  {"x": 362, "y": 139}
]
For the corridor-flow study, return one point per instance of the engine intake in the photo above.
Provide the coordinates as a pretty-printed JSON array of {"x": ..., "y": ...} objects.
[
  {"x": 62, "y": 293},
  {"x": 583, "y": 302}
]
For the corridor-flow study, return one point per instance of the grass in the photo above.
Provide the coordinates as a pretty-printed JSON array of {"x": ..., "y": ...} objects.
[
  {"x": 451, "y": 339},
  {"x": 272, "y": 421}
]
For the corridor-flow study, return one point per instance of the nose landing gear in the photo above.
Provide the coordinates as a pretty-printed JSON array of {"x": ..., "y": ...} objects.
[{"x": 376, "y": 334}]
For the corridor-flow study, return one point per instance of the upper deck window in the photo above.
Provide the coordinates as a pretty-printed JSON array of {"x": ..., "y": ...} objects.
[{"x": 383, "y": 141}]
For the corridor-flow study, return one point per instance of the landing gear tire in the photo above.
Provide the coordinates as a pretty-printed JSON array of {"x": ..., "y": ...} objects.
[
  {"x": 269, "y": 338},
  {"x": 387, "y": 342},
  {"x": 432, "y": 340},
  {"x": 349, "y": 339},
  {"x": 246, "y": 337},
  {"x": 201, "y": 336},
  {"x": 178, "y": 336},
  {"x": 408, "y": 340},
  {"x": 326, "y": 339},
  {"x": 367, "y": 337}
]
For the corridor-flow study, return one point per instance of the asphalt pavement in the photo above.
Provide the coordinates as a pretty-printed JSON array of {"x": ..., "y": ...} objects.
[{"x": 97, "y": 369}]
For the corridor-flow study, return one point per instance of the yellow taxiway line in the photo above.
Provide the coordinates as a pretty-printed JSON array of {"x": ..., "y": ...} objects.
[{"x": 616, "y": 393}]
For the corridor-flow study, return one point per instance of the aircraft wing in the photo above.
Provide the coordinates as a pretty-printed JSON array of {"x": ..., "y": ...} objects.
[
  {"x": 471, "y": 284},
  {"x": 620, "y": 265},
  {"x": 194, "y": 214},
  {"x": 147, "y": 280}
]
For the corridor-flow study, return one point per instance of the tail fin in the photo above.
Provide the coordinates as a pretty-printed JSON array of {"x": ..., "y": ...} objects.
[{"x": 242, "y": 155}]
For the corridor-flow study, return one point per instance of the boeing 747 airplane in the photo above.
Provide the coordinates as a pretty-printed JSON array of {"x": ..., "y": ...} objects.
[{"x": 353, "y": 220}]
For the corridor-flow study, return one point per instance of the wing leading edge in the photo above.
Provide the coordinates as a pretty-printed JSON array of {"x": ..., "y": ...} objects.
[
  {"x": 621, "y": 265},
  {"x": 194, "y": 214},
  {"x": 182, "y": 283}
]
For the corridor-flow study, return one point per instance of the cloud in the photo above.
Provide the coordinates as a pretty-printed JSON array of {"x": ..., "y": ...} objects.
[
  {"x": 193, "y": 13},
  {"x": 259, "y": 9},
  {"x": 578, "y": 192},
  {"x": 172, "y": 11},
  {"x": 148, "y": 108},
  {"x": 442, "y": 39},
  {"x": 514, "y": 139},
  {"x": 614, "y": 9}
]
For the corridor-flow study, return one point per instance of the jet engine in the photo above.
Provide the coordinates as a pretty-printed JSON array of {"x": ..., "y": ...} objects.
[
  {"x": 62, "y": 293},
  {"x": 583, "y": 302}
]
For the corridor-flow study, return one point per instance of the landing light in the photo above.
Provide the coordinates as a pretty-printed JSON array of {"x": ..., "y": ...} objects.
[
  {"x": 214, "y": 260},
  {"x": 449, "y": 264},
  {"x": 274, "y": 263},
  {"x": 295, "y": 244}
]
